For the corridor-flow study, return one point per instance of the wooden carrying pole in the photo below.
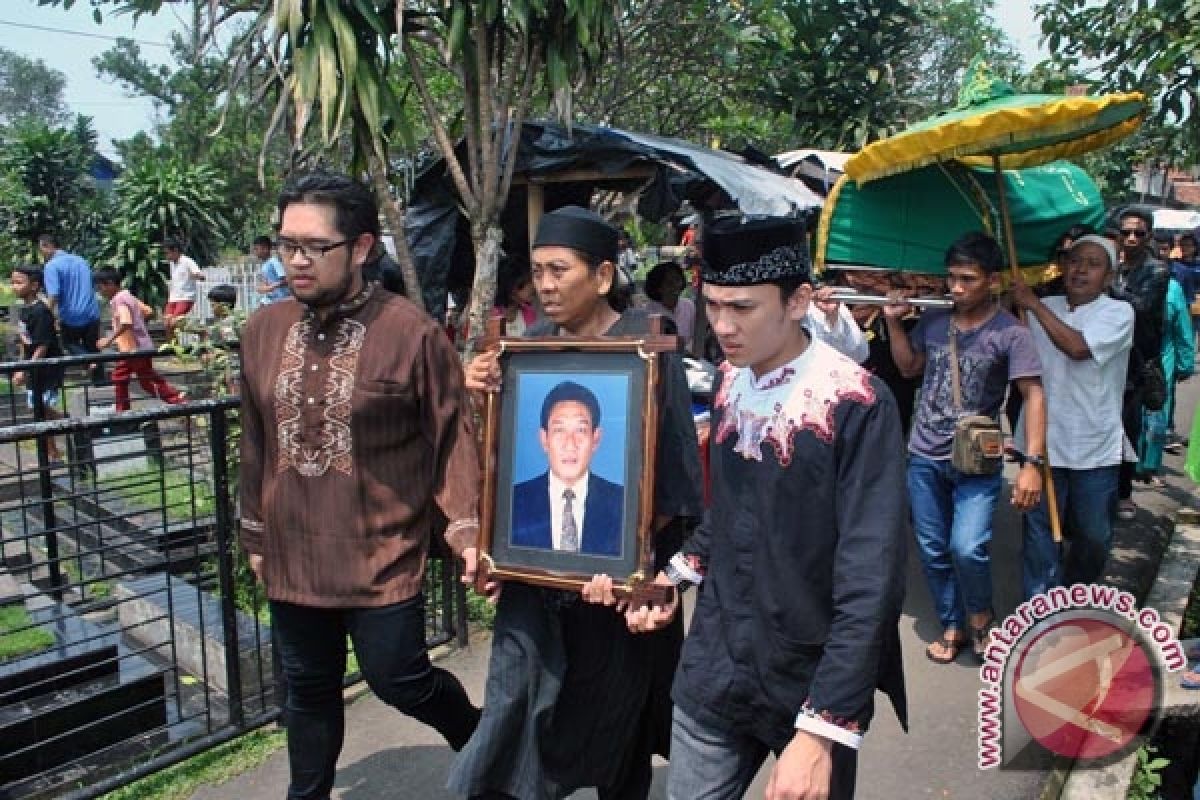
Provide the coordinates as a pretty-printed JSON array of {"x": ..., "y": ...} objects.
[{"x": 1011, "y": 246}]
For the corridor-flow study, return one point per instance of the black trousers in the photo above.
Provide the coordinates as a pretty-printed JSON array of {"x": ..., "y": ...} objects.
[
  {"x": 79, "y": 340},
  {"x": 390, "y": 645},
  {"x": 1131, "y": 420}
]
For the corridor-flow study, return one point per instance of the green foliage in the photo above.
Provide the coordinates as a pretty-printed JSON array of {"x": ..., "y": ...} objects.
[
  {"x": 16, "y": 638},
  {"x": 210, "y": 768},
  {"x": 480, "y": 610},
  {"x": 841, "y": 69},
  {"x": 212, "y": 350},
  {"x": 46, "y": 187},
  {"x": 170, "y": 489},
  {"x": 30, "y": 90},
  {"x": 228, "y": 136},
  {"x": 1113, "y": 168},
  {"x": 159, "y": 198},
  {"x": 954, "y": 33},
  {"x": 89, "y": 587},
  {"x": 1143, "y": 46},
  {"x": 1147, "y": 776},
  {"x": 1190, "y": 628}
]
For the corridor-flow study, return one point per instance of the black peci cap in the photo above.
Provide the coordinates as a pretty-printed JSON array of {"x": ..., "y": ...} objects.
[
  {"x": 743, "y": 252},
  {"x": 579, "y": 229}
]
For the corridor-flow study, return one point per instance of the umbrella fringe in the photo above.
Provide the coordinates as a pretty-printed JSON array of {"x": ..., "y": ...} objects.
[{"x": 974, "y": 150}]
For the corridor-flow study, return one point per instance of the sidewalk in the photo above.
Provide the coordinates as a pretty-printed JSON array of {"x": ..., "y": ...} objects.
[{"x": 388, "y": 756}]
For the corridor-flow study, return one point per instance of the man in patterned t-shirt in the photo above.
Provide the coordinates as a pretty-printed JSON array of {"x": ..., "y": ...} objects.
[{"x": 952, "y": 511}]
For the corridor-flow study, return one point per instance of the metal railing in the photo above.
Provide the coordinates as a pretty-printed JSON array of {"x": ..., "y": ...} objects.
[{"x": 133, "y": 634}]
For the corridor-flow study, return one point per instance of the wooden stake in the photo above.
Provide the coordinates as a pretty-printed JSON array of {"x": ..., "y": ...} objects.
[{"x": 1011, "y": 247}]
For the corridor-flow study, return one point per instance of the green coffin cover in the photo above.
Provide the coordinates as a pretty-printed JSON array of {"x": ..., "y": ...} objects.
[{"x": 905, "y": 222}]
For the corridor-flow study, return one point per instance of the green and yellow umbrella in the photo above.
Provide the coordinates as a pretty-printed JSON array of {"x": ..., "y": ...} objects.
[
  {"x": 995, "y": 127},
  {"x": 904, "y": 222}
]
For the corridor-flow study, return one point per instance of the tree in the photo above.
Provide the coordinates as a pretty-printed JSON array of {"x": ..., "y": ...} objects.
[
  {"x": 1125, "y": 46},
  {"x": 30, "y": 90},
  {"x": 159, "y": 198},
  {"x": 842, "y": 69},
  {"x": 47, "y": 184},
  {"x": 227, "y": 136},
  {"x": 337, "y": 60},
  {"x": 955, "y": 32},
  {"x": 677, "y": 69}
]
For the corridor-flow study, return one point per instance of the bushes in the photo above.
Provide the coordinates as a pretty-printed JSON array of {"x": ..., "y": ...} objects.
[{"x": 159, "y": 198}]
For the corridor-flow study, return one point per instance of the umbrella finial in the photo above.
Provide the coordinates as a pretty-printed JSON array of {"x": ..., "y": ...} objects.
[{"x": 980, "y": 84}]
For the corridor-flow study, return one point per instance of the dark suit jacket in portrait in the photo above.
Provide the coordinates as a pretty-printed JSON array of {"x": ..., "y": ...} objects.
[{"x": 600, "y": 525}]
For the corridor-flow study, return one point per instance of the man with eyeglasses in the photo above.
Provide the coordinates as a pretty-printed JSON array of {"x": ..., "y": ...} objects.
[
  {"x": 356, "y": 450},
  {"x": 1142, "y": 282}
]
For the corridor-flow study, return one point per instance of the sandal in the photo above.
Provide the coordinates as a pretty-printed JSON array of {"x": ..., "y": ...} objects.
[
  {"x": 981, "y": 637},
  {"x": 950, "y": 648}
]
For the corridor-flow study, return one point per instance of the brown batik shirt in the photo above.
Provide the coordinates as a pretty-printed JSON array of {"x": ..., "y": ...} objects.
[{"x": 356, "y": 444}]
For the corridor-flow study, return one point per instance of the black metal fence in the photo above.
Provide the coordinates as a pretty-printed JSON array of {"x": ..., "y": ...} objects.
[{"x": 132, "y": 634}]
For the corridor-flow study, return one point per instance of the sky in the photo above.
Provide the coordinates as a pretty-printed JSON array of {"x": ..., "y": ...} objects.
[
  {"x": 116, "y": 115},
  {"x": 74, "y": 39}
]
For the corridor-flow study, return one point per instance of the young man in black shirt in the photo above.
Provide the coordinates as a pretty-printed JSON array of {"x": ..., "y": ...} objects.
[{"x": 39, "y": 339}]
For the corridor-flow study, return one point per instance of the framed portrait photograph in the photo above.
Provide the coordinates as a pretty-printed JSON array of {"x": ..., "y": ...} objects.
[{"x": 569, "y": 462}]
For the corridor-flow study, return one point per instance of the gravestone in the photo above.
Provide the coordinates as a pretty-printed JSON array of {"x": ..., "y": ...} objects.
[
  {"x": 118, "y": 448},
  {"x": 10, "y": 590},
  {"x": 84, "y": 694},
  {"x": 180, "y": 621}
]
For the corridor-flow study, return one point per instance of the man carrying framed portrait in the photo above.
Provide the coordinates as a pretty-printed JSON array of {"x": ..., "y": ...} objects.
[
  {"x": 573, "y": 698},
  {"x": 800, "y": 559}
]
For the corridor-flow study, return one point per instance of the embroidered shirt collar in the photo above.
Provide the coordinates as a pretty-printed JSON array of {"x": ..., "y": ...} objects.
[
  {"x": 783, "y": 374},
  {"x": 347, "y": 308},
  {"x": 801, "y": 396}
]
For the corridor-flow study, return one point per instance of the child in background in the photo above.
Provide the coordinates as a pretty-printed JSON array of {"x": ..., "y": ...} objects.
[
  {"x": 129, "y": 334},
  {"x": 227, "y": 326},
  {"x": 39, "y": 339}
]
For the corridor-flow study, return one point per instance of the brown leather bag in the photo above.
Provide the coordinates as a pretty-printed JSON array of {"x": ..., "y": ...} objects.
[{"x": 978, "y": 446}]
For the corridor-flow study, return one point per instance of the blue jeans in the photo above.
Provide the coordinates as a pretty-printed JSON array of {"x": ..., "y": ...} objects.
[
  {"x": 952, "y": 520},
  {"x": 390, "y": 644},
  {"x": 1087, "y": 503},
  {"x": 710, "y": 764}
]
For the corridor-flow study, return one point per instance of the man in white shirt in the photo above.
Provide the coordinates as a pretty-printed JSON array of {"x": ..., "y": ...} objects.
[
  {"x": 1083, "y": 340},
  {"x": 182, "y": 291},
  {"x": 832, "y": 323}
]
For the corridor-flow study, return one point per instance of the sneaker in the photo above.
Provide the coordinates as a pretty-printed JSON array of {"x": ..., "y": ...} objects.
[
  {"x": 1126, "y": 510},
  {"x": 1174, "y": 448}
]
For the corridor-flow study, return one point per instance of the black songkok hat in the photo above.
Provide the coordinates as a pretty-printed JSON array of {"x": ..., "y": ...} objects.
[
  {"x": 743, "y": 252},
  {"x": 579, "y": 229}
]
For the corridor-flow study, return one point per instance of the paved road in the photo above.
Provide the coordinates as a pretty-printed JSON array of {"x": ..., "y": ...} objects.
[{"x": 390, "y": 757}]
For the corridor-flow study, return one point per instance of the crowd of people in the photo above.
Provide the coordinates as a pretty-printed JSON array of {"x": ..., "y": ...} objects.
[
  {"x": 60, "y": 314},
  {"x": 356, "y": 407}
]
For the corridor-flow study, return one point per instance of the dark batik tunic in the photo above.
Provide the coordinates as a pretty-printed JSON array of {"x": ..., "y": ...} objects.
[
  {"x": 573, "y": 698},
  {"x": 802, "y": 554}
]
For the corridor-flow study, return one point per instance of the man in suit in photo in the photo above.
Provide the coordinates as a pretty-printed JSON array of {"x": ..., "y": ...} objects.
[{"x": 568, "y": 507}]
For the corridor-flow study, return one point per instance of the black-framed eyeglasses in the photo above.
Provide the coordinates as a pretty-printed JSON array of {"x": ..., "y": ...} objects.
[
  {"x": 309, "y": 251},
  {"x": 1137, "y": 232}
]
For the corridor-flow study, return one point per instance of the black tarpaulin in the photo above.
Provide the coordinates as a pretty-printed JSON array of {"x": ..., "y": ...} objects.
[{"x": 569, "y": 167}]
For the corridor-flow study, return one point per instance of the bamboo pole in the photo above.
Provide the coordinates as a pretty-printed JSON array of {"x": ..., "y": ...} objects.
[{"x": 1011, "y": 247}]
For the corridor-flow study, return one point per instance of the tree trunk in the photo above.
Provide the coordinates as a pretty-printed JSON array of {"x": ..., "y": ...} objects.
[
  {"x": 483, "y": 290},
  {"x": 395, "y": 221}
]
